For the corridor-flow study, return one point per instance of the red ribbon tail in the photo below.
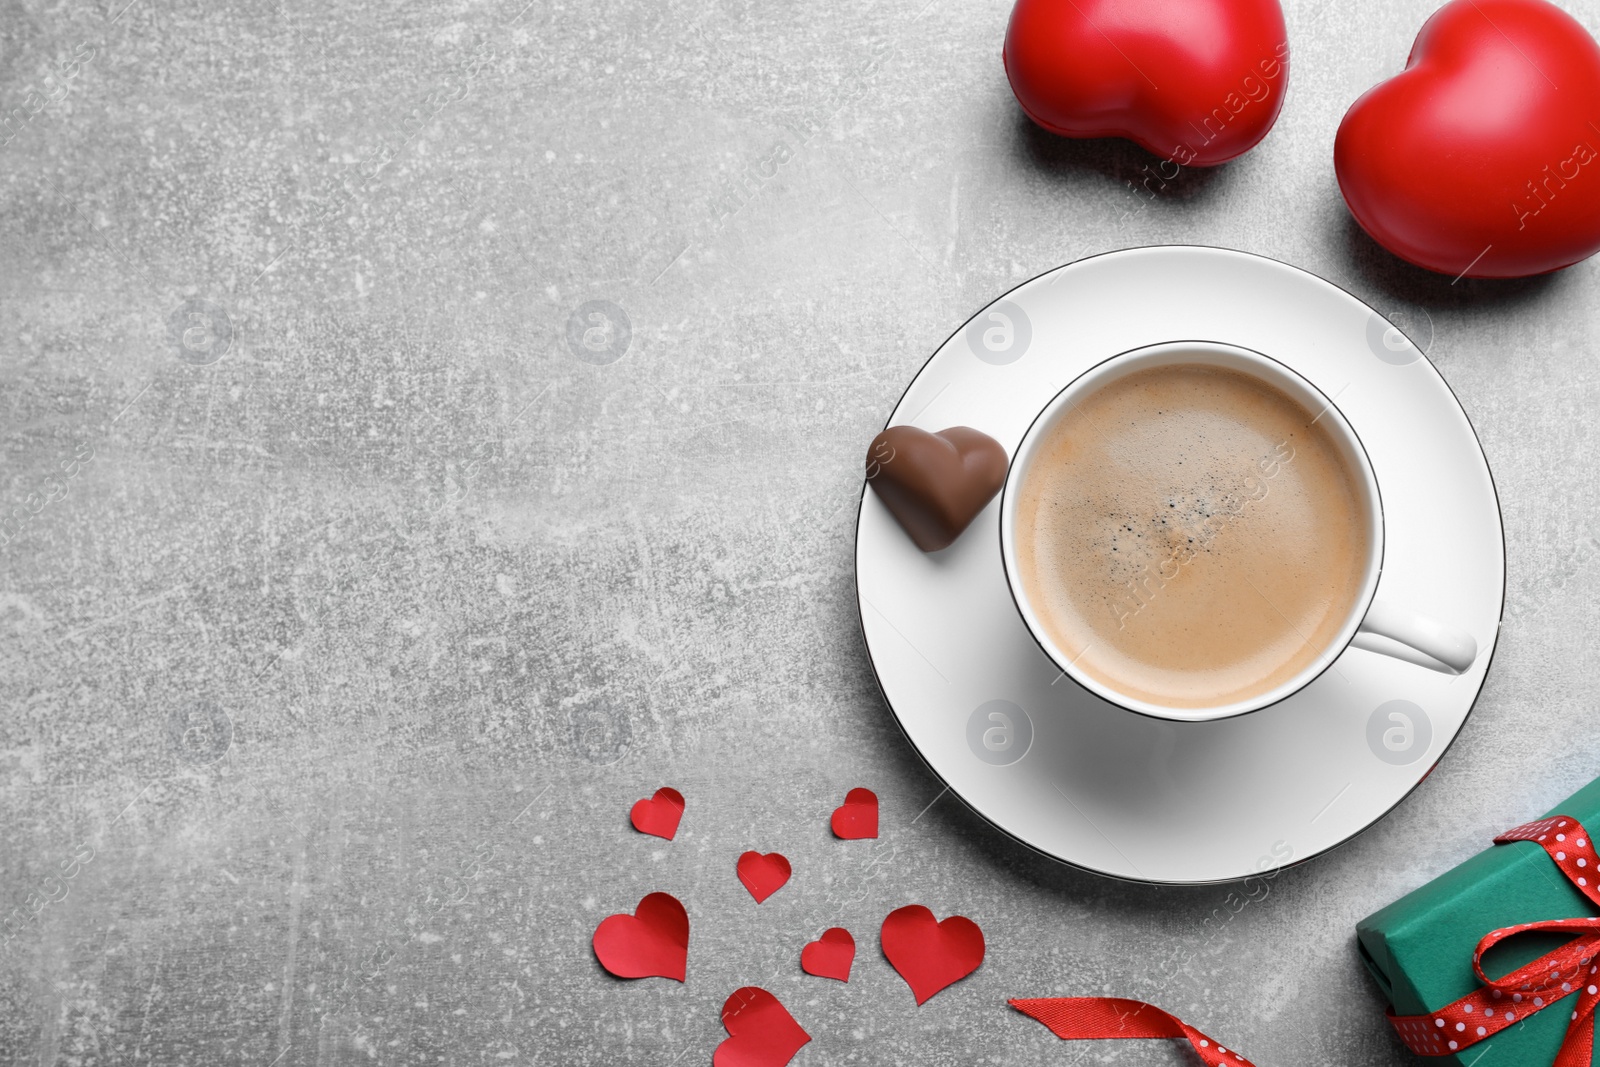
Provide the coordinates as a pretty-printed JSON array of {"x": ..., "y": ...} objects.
[
  {"x": 1577, "y": 1050},
  {"x": 1092, "y": 1018}
]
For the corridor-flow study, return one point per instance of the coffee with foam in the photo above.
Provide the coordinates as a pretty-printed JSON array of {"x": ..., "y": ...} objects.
[{"x": 1190, "y": 536}]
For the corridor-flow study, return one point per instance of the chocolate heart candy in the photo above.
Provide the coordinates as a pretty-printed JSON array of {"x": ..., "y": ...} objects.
[{"x": 934, "y": 484}]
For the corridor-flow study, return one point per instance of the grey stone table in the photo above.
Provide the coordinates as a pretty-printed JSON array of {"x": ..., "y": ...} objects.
[{"x": 344, "y": 611}]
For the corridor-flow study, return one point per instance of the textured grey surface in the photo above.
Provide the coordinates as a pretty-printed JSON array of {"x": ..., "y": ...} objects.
[{"x": 344, "y": 655}]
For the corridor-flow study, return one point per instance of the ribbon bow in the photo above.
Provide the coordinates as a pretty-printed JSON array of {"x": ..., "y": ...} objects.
[{"x": 1529, "y": 989}]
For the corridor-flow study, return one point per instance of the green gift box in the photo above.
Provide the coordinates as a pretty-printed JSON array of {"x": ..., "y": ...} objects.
[{"x": 1419, "y": 949}]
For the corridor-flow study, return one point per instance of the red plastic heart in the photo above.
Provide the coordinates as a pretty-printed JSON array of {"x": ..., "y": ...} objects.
[
  {"x": 1197, "y": 82},
  {"x": 930, "y": 955},
  {"x": 830, "y": 955},
  {"x": 658, "y": 815},
  {"x": 857, "y": 818},
  {"x": 763, "y": 875},
  {"x": 653, "y": 942},
  {"x": 1482, "y": 158},
  {"x": 761, "y": 1032}
]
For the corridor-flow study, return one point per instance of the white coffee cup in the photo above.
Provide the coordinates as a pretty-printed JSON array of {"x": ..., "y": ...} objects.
[{"x": 1442, "y": 647}]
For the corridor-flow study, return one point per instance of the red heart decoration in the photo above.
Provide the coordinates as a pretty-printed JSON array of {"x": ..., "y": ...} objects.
[
  {"x": 653, "y": 942},
  {"x": 857, "y": 818},
  {"x": 930, "y": 955},
  {"x": 1482, "y": 158},
  {"x": 1197, "y": 82},
  {"x": 761, "y": 1032},
  {"x": 830, "y": 955},
  {"x": 658, "y": 815},
  {"x": 763, "y": 875}
]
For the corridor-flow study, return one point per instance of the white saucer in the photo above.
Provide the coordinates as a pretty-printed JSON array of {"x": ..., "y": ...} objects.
[{"x": 1140, "y": 798}]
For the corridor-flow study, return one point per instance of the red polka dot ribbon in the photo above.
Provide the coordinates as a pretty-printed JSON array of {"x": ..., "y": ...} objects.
[
  {"x": 1088, "y": 1018},
  {"x": 1572, "y": 968}
]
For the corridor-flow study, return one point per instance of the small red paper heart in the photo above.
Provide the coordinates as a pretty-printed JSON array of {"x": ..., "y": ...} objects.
[
  {"x": 857, "y": 818},
  {"x": 658, "y": 815},
  {"x": 830, "y": 955},
  {"x": 653, "y": 942},
  {"x": 761, "y": 1032},
  {"x": 763, "y": 875},
  {"x": 930, "y": 955}
]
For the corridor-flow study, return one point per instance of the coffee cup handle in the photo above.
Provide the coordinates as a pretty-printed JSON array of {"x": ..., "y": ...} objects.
[{"x": 1454, "y": 649}]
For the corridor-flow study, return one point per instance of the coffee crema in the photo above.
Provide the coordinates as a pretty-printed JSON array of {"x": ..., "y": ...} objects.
[{"x": 1189, "y": 536}]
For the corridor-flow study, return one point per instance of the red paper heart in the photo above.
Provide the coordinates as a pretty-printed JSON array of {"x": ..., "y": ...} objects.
[
  {"x": 930, "y": 955},
  {"x": 763, "y": 875},
  {"x": 653, "y": 942},
  {"x": 658, "y": 815},
  {"x": 830, "y": 955},
  {"x": 857, "y": 818},
  {"x": 761, "y": 1032},
  {"x": 1482, "y": 158}
]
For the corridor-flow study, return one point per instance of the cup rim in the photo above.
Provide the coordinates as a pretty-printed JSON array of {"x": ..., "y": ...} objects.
[{"x": 1047, "y": 417}]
